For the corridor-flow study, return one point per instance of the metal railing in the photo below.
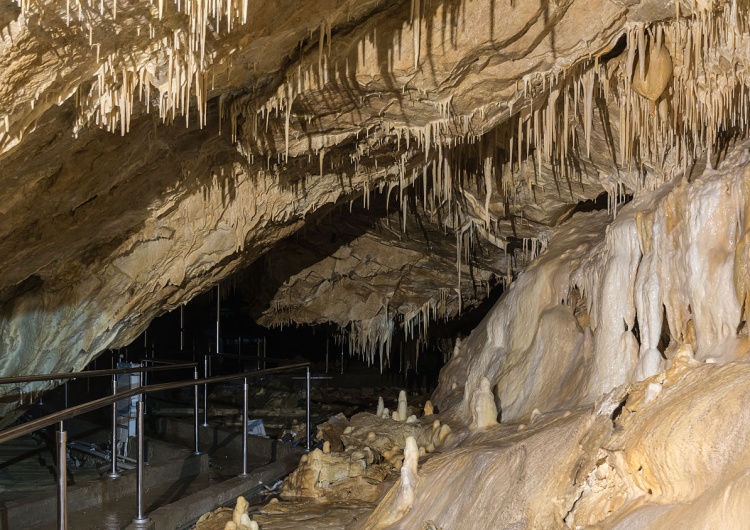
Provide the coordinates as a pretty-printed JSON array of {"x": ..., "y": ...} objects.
[{"x": 60, "y": 416}]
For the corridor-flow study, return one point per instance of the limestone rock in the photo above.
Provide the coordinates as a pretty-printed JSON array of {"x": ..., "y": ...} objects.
[
  {"x": 103, "y": 232},
  {"x": 227, "y": 519},
  {"x": 319, "y": 471}
]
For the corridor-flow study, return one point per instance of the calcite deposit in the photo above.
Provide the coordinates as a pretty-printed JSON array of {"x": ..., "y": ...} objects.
[{"x": 228, "y": 519}]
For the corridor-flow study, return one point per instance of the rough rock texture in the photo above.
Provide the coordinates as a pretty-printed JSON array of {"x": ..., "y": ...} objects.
[
  {"x": 112, "y": 215},
  {"x": 358, "y": 455},
  {"x": 313, "y": 277},
  {"x": 494, "y": 122},
  {"x": 618, "y": 357}
]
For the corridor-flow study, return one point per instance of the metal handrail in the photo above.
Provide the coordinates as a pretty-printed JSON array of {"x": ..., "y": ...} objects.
[
  {"x": 90, "y": 373},
  {"x": 71, "y": 412}
]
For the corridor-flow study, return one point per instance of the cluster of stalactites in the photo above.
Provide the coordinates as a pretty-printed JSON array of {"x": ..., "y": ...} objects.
[
  {"x": 372, "y": 338},
  {"x": 174, "y": 64},
  {"x": 201, "y": 14},
  {"x": 679, "y": 87},
  {"x": 699, "y": 62},
  {"x": 118, "y": 85},
  {"x": 417, "y": 322}
]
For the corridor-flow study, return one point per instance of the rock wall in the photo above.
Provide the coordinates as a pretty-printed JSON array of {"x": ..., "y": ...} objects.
[{"x": 198, "y": 235}]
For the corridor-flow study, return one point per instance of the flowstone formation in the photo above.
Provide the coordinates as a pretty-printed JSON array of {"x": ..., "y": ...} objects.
[{"x": 595, "y": 312}]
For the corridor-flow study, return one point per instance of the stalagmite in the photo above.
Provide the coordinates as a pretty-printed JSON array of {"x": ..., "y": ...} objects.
[
  {"x": 381, "y": 406},
  {"x": 444, "y": 431},
  {"x": 403, "y": 407},
  {"x": 240, "y": 519},
  {"x": 402, "y": 499},
  {"x": 483, "y": 409}
]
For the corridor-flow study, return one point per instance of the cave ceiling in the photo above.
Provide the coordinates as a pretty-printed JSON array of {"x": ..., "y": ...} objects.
[{"x": 150, "y": 150}]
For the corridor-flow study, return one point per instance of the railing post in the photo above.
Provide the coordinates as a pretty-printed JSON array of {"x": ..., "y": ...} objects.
[
  {"x": 140, "y": 518},
  {"x": 62, "y": 479},
  {"x": 244, "y": 428},
  {"x": 218, "y": 315},
  {"x": 205, "y": 391},
  {"x": 307, "y": 423},
  {"x": 143, "y": 382},
  {"x": 195, "y": 412},
  {"x": 114, "y": 473}
]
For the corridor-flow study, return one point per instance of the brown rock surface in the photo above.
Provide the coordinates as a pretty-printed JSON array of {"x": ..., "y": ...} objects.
[
  {"x": 111, "y": 216},
  {"x": 488, "y": 121}
]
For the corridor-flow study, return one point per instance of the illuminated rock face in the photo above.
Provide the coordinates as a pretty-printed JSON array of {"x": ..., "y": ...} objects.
[
  {"x": 489, "y": 122},
  {"x": 588, "y": 315},
  {"x": 75, "y": 196},
  {"x": 150, "y": 150}
]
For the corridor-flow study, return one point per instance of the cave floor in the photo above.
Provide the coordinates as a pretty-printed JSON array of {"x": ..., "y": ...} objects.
[
  {"x": 27, "y": 465},
  {"x": 118, "y": 513}
]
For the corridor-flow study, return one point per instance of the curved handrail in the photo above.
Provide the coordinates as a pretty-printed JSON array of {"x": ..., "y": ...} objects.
[{"x": 71, "y": 412}]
